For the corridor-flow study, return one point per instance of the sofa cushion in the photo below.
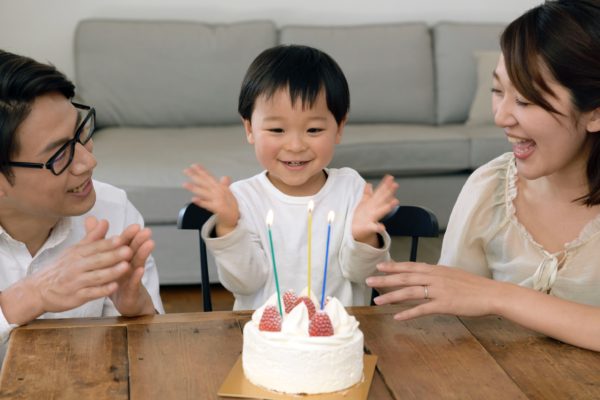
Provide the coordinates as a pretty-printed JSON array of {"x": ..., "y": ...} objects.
[
  {"x": 480, "y": 112},
  {"x": 165, "y": 73},
  {"x": 152, "y": 176},
  {"x": 389, "y": 68},
  {"x": 454, "y": 46},
  {"x": 487, "y": 143},
  {"x": 403, "y": 149}
]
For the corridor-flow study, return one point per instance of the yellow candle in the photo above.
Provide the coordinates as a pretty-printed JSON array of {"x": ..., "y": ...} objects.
[{"x": 311, "y": 206}]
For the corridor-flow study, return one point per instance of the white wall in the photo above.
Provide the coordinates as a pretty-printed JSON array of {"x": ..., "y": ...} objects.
[{"x": 43, "y": 29}]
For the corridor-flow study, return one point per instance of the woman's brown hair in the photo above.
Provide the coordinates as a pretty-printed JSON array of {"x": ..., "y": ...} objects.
[{"x": 565, "y": 36}]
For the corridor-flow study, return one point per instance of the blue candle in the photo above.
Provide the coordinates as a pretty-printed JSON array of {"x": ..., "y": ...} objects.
[
  {"x": 269, "y": 223},
  {"x": 330, "y": 217}
]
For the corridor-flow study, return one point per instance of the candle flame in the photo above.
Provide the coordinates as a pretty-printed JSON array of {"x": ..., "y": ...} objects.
[
  {"x": 270, "y": 218},
  {"x": 330, "y": 216},
  {"x": 311, "y": 206}
]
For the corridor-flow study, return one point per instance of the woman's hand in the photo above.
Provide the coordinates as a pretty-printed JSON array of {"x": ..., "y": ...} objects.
[{"x": 444, "y": 290}]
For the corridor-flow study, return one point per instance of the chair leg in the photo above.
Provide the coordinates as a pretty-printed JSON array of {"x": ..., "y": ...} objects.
[
  {"x": 413, "y": 248},
  {"x": 205, "y": 279},
  {"x": 374, "y": 293}
]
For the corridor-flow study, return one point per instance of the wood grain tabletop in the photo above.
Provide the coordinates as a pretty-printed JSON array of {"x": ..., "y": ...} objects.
[{"x": 187, "y": 356}]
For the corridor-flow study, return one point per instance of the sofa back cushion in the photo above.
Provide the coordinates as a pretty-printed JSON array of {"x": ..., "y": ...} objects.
[
  {"x": 389, "y": 68},
  {"x": 454, "y": 47},
  {"x": 166, "y": 73}
]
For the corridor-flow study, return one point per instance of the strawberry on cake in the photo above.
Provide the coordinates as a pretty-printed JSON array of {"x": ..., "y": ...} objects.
[{"x": 306, "y": 350}]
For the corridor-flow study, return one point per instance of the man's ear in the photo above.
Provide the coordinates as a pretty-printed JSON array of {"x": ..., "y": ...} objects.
[
  {"x": 593, "y": 125},
  {"x": 248, "y": 128},
  {"x": 340, "y": 130}
]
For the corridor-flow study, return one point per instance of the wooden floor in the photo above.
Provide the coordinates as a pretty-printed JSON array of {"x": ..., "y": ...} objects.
[{"x": 188, "y": 298}]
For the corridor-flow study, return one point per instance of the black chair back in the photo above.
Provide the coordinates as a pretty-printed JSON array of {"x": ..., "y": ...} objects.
[
  {"x": 414, "y": 222},
  {"x": 410, "y": 221}
]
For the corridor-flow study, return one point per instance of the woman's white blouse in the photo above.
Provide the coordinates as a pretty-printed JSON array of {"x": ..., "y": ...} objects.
[{"x": 484, "y": 237}]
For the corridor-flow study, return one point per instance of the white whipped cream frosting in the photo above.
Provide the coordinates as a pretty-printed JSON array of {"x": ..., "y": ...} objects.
[
  {"x": 296, "y": 322},
  {"x": 291, "y": 361}
]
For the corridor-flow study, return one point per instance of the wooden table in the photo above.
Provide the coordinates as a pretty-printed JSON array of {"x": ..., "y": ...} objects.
[{"x": 187, "y": 356}]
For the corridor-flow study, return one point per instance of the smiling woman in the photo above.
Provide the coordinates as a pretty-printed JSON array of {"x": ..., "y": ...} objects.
[{"x": 531, "y": 217}]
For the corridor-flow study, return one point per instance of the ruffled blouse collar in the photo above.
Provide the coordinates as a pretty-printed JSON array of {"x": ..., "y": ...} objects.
[
  {"x": 590, "y": 229},
  {"x": 545, "y": 275}
]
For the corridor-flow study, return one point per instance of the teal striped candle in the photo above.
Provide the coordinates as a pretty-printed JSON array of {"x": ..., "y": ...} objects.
[{"x": 269, "y": 223}]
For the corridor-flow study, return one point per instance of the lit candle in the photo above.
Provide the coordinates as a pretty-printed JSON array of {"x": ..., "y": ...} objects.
[
  {"x": 311, "y": 206},
  {"x": 269, "y": 223},
  {"x": 330, "y": 217}
]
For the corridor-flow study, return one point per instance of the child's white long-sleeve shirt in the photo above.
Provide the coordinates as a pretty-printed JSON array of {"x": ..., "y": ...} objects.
[{"x": 244, "y": 256}]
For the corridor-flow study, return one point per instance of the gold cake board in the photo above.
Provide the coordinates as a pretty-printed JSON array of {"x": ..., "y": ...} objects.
[{"x": 236, "y": 385}]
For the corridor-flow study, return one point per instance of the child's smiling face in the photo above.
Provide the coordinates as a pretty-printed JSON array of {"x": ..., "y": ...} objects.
[{"x": 293, "y": 142}]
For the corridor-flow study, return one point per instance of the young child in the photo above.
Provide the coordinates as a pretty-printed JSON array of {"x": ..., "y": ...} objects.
[
  {"x": 294, "y": 102},
  {"x": 530, "y": 217}
]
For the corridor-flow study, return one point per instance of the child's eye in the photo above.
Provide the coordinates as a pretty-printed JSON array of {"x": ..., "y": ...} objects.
[
  {"x": 314, "y": 131},
  {"x": 275, "y": 130}
]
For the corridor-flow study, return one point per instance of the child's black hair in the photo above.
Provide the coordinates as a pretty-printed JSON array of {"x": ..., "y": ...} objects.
[{"x": 304, "y": 70}]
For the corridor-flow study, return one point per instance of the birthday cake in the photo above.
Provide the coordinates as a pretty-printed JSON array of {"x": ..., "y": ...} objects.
[{"x": 307, "y": 350}]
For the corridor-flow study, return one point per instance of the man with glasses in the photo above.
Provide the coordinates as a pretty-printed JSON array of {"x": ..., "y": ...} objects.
[
  {"x": 64, "y": 155},
  {"x": 69, "y": 246}
]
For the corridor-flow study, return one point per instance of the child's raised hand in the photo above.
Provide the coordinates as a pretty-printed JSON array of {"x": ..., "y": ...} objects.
[
  {"x": 213, "y": 195},
  {"x": 373, "y": 206}
]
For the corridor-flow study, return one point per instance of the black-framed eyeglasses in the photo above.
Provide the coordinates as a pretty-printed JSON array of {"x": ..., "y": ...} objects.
[{"x": 64, "y": 156}]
